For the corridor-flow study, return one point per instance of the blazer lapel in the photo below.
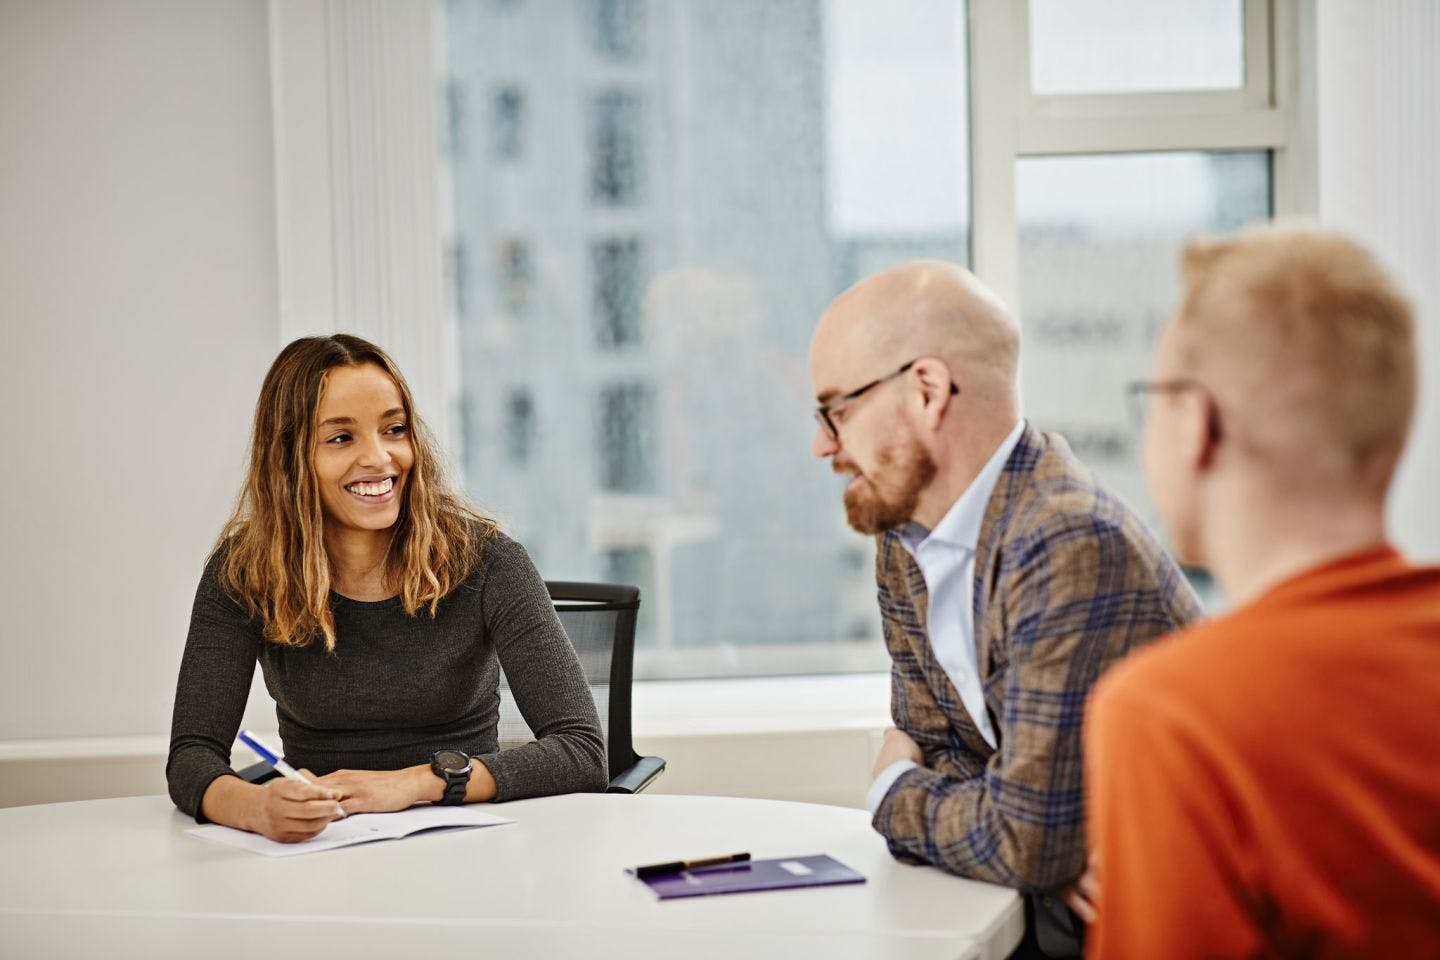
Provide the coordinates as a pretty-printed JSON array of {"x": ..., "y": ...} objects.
[
  {"x": 987, "y": 611},
  {"x": 906, "y": 574}
]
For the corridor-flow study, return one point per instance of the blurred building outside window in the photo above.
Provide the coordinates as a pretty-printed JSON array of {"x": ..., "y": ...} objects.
[{"x": 694, "y": 180}]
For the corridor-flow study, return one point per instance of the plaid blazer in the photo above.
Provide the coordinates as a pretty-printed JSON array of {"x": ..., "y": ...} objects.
[{"x": 1067, "y": 580}]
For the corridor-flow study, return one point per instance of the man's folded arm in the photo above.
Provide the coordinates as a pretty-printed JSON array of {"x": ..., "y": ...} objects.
[
  {"x": 1074, "y": 601},
  {"x": 919, "y": 811},
  {"x": 981, "y": 827}
]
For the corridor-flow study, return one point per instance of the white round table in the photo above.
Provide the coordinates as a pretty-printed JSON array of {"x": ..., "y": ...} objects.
[{"x": 78, "y": 879}]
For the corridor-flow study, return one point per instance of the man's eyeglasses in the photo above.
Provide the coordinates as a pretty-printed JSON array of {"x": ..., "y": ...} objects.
[
  {"x": 1138, "y": 393},
  {"x": 823, "y": 412}
]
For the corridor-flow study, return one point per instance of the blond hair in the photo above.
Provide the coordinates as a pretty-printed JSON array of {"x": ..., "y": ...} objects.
[
  {"x": 1311, "y": 346},
  {"x": 272, "y": 549}
]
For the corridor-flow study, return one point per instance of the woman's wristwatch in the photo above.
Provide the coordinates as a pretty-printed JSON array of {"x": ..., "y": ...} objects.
[{"x": 453, "y": 767}]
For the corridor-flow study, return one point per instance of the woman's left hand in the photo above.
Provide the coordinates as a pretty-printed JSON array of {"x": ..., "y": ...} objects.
[{"x": 380, "y": 791}]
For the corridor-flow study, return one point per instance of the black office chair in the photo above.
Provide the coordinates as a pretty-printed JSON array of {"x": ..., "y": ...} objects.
[{"x": 599, "y": 619}]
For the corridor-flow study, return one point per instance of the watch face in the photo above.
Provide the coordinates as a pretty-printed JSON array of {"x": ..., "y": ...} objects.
[{"x": 451, "y": 761}]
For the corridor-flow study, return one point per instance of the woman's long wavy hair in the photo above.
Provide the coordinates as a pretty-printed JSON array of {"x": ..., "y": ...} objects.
[{"x": 273, "y": 557}]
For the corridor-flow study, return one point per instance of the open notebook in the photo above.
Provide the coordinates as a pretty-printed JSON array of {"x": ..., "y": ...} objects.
[{"x": 359, "y": 828}]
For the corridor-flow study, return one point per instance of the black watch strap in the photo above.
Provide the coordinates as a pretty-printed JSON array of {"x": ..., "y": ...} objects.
[
  {"x": 455, "y": 787},
  {"x": 453, "y": 767}
]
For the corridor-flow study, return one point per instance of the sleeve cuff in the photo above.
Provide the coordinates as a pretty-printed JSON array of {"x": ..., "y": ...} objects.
[{"x": 876, "y": 794}]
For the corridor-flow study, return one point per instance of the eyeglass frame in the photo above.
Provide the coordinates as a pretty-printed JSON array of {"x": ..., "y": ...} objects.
[
  {"x": 1137, "y": 391},
  {"x": 823, "y": 411}
]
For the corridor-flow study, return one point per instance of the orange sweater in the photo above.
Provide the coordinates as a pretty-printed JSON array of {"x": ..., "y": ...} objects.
[{"x": 1268, "y": 783}]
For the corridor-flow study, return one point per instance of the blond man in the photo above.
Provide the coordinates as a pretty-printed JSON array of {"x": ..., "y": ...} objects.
[{"x": 1268, "y": 783}]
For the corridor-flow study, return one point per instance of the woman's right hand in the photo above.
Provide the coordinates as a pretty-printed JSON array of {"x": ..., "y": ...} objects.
[{"x": 288, "y": 812}]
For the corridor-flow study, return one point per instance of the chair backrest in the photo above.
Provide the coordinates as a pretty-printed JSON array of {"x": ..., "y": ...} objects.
[{"x": 599, "y": 619}]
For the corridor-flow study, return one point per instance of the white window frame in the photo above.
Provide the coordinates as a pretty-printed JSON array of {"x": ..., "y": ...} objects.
[
  {"x": 1273, "y": 111},
  {"x": 361, "y": 230}
]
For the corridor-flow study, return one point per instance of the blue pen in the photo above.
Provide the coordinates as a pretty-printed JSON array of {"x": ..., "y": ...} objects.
[{"x": 277, "y": 762}]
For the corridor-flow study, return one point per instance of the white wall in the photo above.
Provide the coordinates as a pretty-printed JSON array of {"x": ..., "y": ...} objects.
[
  {"x": 137, "y": 316},
  {"x": 1379, "y": 141}
]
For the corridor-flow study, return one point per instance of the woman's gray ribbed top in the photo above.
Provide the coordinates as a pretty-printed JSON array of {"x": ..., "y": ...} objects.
[{"x": 397, "y": 688}]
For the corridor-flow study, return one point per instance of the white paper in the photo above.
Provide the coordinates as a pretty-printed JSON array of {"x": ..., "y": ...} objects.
[{"x": 358, "y": 828}]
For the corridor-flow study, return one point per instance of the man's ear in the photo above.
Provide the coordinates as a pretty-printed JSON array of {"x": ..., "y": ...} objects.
[
  {"x": 1214, "y": 430},
  {"x": 933, "y": 377},
  {"x": 1202, "y": 429}
]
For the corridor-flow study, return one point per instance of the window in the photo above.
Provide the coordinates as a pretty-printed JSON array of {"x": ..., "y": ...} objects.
[
  {"x": 675, "y": 192},
  {"x": 615, "y": 153},
  {"x": 626, "y": 439},
  {"x": 509, "y": 123},
  {"x": 616, "y": 27},
  {"x": 705, "y": 211},
  {"x": 1127, "y": 46},
  {"x": 617, "y": 279},
  {"x": 514, "y": 275},
  {"x": 519, "y": 425},
  {"x": 1099, "y": 235}
]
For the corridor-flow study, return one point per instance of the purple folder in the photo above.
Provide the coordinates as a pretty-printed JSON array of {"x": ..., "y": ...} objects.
[{"x": 783, "y": 873}]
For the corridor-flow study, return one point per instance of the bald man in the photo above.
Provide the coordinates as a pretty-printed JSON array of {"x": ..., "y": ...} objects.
[
  {"x": 1008, "y": 580},
  {"x": 1268, "y": 783}
]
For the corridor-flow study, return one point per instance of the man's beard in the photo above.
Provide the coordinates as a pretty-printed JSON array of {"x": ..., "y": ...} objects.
[{"x": 873, "y": 507}]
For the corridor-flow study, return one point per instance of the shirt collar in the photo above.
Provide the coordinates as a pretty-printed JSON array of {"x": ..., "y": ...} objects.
[{"x": 960, "y": 527}]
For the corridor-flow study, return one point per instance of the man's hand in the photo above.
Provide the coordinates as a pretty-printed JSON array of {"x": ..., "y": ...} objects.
[
  {"x": 897, "y": 746},
  {"x": 382, "y": 791},
  {"x": 1082, "y": 895}
]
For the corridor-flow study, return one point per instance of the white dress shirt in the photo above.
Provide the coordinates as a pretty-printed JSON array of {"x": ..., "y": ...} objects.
[{"x": 946, "y": 557}]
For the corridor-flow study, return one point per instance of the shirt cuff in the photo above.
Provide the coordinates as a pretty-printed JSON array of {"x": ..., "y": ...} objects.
[{"x": 884, "y": 782}]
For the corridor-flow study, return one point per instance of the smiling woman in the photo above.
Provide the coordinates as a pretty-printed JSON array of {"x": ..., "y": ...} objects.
[
  {"x": 363, "y": 456},
  {"x": 380, "y": 607}
]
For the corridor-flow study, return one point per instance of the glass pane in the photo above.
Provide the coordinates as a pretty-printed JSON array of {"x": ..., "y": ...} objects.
[
  {"x": 615, "y": 119},
  {"x": 616, "y": 27},
  {"x": 625, "y": 438},
  {"x": 617, "y": 276},
  {"x": 652, "y": 202},
  {"x": 1130, "y": 46},
  {"x": 1100, "y": 238},
  {"x": 508, "y": 135}
]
